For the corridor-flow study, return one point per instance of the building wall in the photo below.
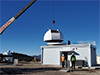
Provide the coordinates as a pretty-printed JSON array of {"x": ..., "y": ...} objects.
[
  {"x": 98, "y": 59},
  {"x": 51, "y": 56}
]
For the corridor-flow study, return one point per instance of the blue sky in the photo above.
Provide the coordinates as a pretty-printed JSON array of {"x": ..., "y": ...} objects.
[{"x": 78, "y": 20}]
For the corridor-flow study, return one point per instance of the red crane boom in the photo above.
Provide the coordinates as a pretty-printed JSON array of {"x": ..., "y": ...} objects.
[{"x": 9, "y": 22}]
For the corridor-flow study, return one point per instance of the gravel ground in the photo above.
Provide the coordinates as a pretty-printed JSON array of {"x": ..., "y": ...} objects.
[{"x": 38, "y": 69}]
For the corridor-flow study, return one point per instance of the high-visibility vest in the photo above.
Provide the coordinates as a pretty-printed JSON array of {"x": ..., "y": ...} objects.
[
  {"x": 73, "y": 59},
  {"x": 62, "y": 58}
]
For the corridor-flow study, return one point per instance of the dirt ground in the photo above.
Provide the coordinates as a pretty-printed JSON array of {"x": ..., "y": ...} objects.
[{"x": 33, "y": 68}]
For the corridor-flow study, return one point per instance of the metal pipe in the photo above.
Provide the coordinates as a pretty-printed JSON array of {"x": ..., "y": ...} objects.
[{"x": 65, "y": 64}]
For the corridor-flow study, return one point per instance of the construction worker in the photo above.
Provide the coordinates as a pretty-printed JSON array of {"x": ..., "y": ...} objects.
[
  {"x": 62, "y": 60},
  {"x": 35, "y": 58},
  {"x": 73, "y": 59}
]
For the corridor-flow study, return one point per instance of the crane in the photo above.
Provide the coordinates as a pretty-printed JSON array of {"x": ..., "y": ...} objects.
[{"x": 9, "y": 22}]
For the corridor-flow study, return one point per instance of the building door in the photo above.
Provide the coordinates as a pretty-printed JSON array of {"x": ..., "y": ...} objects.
[{"x": 66, "y": 57}]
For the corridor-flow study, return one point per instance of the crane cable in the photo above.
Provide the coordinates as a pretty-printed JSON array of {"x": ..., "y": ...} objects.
[{"x": 53, "y": 13}]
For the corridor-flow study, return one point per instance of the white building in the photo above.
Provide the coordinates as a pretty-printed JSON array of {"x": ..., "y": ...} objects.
[
  {"x": 8, "y": 56},
  {"x": 98, "y": 59},
  {"x": 51, "y": 54}
]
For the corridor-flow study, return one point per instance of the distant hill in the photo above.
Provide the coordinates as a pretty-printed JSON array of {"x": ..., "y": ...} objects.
[{"x": 22, "y": 57}]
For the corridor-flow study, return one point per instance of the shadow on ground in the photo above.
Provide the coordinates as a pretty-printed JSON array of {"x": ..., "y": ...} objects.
[{"x": 13, "y": 71}]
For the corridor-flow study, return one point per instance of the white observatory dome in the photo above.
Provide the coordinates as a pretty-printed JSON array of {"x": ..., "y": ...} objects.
[{"x": 53, "y": 36}]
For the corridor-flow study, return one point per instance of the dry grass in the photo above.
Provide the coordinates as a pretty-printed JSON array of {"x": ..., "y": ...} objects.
[{"x": 32, "y": 68}]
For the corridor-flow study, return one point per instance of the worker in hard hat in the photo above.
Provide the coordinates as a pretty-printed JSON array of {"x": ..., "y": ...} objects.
[
  {"x": 73, "y": 59},
  {"x": 62, "y": 60}
]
